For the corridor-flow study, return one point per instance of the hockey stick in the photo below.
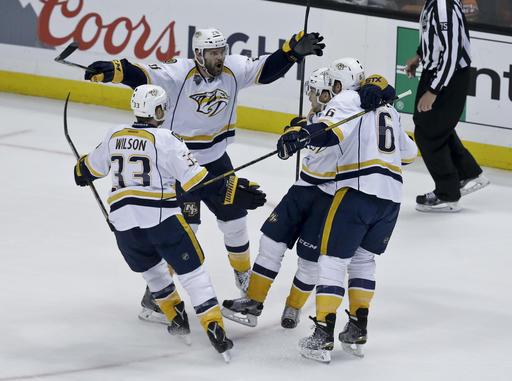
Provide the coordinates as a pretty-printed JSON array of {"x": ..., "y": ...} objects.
[
  {"x": 314, "y": 135},
  {"x": 77, "y": 156},
  {"x": 301, "y": 96},
  {"x": 61, "y": 58}
]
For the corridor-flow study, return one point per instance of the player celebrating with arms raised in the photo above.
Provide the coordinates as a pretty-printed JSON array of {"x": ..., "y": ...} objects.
[{"x": 203, "y": 113}]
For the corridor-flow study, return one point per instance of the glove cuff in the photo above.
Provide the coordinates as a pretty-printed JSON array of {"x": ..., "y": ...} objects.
[
  {"x": 231, "y": 185},
  {"x": 118, "y": 72},
  {"x": 290, "y": 44}
]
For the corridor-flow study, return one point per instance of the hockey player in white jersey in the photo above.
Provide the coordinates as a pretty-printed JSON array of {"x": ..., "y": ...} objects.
[
  {"x": 295, "y": 220},
  {"x": 145, "y": 162},
  {"x": 362, "y": 215},
  {"x": 204, "y": 91},
  {"x": 299, "y": 216}
]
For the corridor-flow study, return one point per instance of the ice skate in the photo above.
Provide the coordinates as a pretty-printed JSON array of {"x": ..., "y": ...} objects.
[
  {"x": 244, "y": 311},
  {"x": 151, "y": 312},
  {"x": 354, "y": 335},
  {"x": 468, "y": 186},
  {"x": 179, "y": 326},
  {"x": 319, "y": 345},
  {"x": 430, "y": 203},
  {"x": 220, "y": 342},
  {"x": 242, "y": 281},
  {"x": 290, "y": 317}
]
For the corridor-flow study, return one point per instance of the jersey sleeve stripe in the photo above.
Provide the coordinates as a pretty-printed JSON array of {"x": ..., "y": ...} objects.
[
  {"x": 195, "y": 180},
  {"x": 91, "y": 169}
]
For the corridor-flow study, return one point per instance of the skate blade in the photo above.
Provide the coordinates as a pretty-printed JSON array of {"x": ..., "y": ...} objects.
[
  {"x": 320, "y": 355},
  {"x": 447, "y": 208},
  {"x": 244, "y": 319},
  {"x": 151, "y": 316},
  {"x": 226, "y": 355},
  {"x": 476, "y": 186},
  {"x": 353, "y": 349}
]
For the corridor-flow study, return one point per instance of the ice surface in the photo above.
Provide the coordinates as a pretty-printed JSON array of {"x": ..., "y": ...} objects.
[{"x": 442, "y": 309}]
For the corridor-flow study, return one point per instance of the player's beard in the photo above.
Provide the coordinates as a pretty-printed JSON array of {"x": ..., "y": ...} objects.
[{"x": 214, "y": 68}]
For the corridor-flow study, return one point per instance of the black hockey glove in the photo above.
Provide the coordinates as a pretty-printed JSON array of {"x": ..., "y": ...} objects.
[
  {"x": 302, "y": 45},
  {"x": 242, "y": 193},
  {"x": 80, "y": 172},
  {"x": 375, "y": 90},
  {"x": 294, "y": 139},
  {"x": 106, "y": 71}
]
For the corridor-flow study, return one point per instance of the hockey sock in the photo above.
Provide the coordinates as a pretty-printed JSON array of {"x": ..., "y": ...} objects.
[
  {"x": 167, "y": 299},
  {"x": 240, "y": 261},
  {"x": 259, "y": 284},
  {"x": 209, "y": 311},
  {"x": 330, "y": 290},
  {"x": 303, "y": 283},
  {"x": 361, "y": 283},
  {"x": 299, "y": 294}
]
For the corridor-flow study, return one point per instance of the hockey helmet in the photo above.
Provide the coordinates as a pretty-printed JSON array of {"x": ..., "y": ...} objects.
[
  {"x": 145, "y": 100},
  {"x": 208, "y": 39},
  {"x": 318, "y": 82},
  {"x": 348, "y": 71}
]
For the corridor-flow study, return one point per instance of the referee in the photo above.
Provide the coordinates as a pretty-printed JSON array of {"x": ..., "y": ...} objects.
[{"x": 445, "y": 55}]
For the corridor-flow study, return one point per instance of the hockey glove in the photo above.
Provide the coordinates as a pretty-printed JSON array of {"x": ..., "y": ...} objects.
[
  {"x": 374, "y": 91},
  {"x": 298, "y": 121},
  {"x": 294, "y": 139},
  {"x": 106, "y": 71},
  {"x": 242, "y": 193},
  {"x": 80, "y": 172},
  {"x": 301, "y": 45}
]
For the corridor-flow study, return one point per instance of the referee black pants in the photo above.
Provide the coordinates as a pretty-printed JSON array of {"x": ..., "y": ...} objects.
[{"x": 447, "y": 160}]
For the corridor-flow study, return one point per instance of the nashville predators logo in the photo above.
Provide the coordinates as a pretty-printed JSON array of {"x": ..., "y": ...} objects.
[
  {"x": 211, "y": 102},
  {"x": 273, "y": 217},
  {"x": 190, "y": 209}
]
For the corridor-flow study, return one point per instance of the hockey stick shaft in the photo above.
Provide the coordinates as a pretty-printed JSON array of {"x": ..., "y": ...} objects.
[
  {"x": 301, "y": 95},
  {"x": 355, "y": 116},
  {"x": 77, "y": 156},
  {"x": 61, "y": 58}
]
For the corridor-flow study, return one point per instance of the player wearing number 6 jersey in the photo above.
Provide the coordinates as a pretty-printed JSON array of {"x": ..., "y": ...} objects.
[
  {"x": 367, "y": 195},
  {"x": 204, "y": 93},
  {"x": 150, "y": 230}
]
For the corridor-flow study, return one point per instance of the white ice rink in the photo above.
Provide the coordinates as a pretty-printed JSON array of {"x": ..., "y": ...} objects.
[{"x": 69, "y": 303}]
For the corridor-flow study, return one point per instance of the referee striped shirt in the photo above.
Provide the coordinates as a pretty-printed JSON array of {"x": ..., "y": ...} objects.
[{"x": 444, "y": 41}]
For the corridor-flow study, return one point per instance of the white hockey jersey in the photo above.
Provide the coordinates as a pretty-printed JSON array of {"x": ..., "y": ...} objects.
[
  {"x": 145, "y": 164},
  {"x": 319, "y": 164},
  {"x": 203, "y": 111},
  {"x": 373, "y": 148}
]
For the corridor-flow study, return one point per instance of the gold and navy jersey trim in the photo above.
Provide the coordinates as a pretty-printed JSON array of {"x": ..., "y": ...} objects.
[
  {"x": 205, "y": 138},
  {"x": 132, "y": 132},
  {"x": 195, "y": 180},
  {"x": 192, "y": 144},
  {"x": 192, "y": 72},
  {"x": 316, "y": 178},
  {"x": 90, "y": 168},
  {"x": 143, "y": 202},
  {"x": 227, "y": 70},
  {"x": 367, "y": 168},
  {"x": 136, "y": 193}
]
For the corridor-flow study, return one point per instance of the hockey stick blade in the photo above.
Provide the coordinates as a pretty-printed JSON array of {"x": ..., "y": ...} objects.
[
  {"x": 61, "y": 58},
  {"x": 67, "y": 52}
]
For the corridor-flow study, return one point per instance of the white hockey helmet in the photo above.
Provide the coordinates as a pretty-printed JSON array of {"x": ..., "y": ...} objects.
[
  {"x": 208, "y": 39},
  {"x": 348, "y": 71},
  {"x": 145, "y": 100},
  {"x": 319, "y": 81}
]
